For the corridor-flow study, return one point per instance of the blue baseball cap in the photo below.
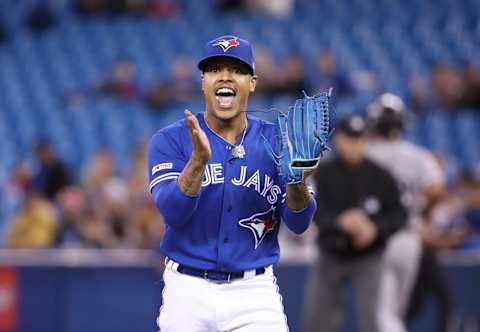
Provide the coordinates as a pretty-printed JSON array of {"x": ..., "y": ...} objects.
[{"x": 231, "y": 47}]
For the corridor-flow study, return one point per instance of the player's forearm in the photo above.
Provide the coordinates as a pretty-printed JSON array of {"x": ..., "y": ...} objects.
[
  {"x": 190, "y": 179},
  {"x": 175, "y": 206},
  {"x": 298, "y": 196},
  {"x": 298, "y": 221}
]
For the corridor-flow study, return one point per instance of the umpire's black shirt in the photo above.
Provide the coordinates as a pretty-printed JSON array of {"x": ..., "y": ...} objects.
[{"x": 367, "y": 186}]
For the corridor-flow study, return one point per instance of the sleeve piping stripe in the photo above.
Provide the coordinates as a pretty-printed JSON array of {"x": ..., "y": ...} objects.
[
  {"x": 173, "y": 177},
  {"x": 166, "y": 176}
]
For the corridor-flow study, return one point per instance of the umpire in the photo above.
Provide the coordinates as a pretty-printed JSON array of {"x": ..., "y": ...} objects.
[{"x": 358, "y": 209}]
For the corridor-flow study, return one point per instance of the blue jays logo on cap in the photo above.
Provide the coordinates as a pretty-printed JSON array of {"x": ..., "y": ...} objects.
[
  {"x": 231, "y": 47},
  {"x": 225, "y": 44},
  {"x": 260, "y": 224}
]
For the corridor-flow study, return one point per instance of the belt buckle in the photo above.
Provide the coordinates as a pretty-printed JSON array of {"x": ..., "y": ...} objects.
[{"x": 217, "y": 280}]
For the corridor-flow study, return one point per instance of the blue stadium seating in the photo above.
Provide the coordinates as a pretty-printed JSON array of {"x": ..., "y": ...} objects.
[{"x": 392, "y": 38}]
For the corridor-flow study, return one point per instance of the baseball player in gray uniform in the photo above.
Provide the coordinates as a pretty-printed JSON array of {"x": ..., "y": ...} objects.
[{"x": 421, "y": 181}]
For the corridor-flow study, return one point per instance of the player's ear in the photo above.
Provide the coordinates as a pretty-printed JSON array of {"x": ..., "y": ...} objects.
[
  {"x": 201, "y": 77},
  {"x": 253, "y": 83}
]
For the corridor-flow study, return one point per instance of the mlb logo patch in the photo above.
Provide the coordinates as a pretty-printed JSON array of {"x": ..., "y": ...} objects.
[{"x": 159, "y": 167}]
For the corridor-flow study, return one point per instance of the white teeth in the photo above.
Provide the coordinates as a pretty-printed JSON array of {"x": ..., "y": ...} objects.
[{"x": 225, "y": 90}]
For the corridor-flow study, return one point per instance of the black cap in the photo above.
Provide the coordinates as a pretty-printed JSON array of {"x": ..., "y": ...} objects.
[{"x": 352, "y": 125}]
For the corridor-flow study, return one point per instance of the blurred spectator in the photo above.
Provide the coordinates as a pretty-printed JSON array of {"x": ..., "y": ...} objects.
[
  {"x": 359, "y": 208},
  {"x": 19, "y": 184},
  {"x": 265, "y": 68},
  {"x": 456, "y": 220},
  {"x": 12, "y": 197},
  {"x": 470, "y": 196},
  {"x": 122, "y": 83},
  {"x": 41, "y": 18},
  {"x": 136, "y": 7},
  {"x": 51, "y": 174},
  {"x": 143, "y": 213},
  {"x": 142, "y": 7},
  {"x": 108, "y": 197},
  {"x": 35, "y": 226},
  {"x": 73, "y": 219},
  {"x": 421, "y": 93},
  {"x": 90, "y": 7},
  {"x": 292, "y": 79},
  {"x": 3, "y": 33},
  {"x": 449, "y": 87},
  {"x": 100, "y": 169},
  {"x": 471, "y": 96},
  {"x": 328, "y": 75},
  {"x": 363, "y": 80},
  {"x": 163, "y": 8},
  {"x": 231, "y": 5},
  {"x": 276, "y": 8},
  {"x": 180, "y": 88}
]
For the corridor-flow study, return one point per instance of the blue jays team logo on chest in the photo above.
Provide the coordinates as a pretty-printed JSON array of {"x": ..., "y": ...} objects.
[
  {"x": 225, "y": 44},
  {"x": 260, "y": 224}
]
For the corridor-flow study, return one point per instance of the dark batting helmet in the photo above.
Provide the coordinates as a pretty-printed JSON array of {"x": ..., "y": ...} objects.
[{"x": 386, "y": 115}]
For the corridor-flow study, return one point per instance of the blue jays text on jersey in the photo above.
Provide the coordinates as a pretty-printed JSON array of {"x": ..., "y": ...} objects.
[{"x": 232, "y": 224}]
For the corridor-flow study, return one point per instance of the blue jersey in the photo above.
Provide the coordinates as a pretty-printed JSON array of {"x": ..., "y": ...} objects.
[{"x": 232, "y": 224}]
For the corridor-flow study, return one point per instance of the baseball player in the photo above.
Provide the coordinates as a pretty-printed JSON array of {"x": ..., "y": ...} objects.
[
  {"x": 223, "y": 199},
  {"x": 421, "y": 181}
]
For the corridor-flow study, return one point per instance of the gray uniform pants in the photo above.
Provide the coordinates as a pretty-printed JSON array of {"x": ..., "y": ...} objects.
[
  {"x": 324, "y": 298},
  {"x": 401, "y": 263}
]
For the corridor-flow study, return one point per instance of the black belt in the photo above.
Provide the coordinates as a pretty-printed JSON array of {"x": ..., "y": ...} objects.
[{"x": 215, "y": 275}]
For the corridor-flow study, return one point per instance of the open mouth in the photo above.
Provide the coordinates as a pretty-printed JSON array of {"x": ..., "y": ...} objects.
[{"x": 225, "y": 97}]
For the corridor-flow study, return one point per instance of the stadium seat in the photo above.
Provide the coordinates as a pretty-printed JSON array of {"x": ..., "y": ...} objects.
[{"x": 38, "y": 71}]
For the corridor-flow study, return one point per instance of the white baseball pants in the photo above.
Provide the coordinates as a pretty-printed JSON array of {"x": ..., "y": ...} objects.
[{"x": 194, "y": 304}]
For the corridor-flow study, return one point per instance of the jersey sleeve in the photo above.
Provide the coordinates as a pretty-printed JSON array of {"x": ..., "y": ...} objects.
[
  {"x": 296, "y": 221},
  {"x": 166, "y": 161},
  {"x": 432, "y": 173}
]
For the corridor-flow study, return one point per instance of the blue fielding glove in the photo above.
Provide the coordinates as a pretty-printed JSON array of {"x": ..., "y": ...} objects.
[{"x": 303, "y": 133}]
